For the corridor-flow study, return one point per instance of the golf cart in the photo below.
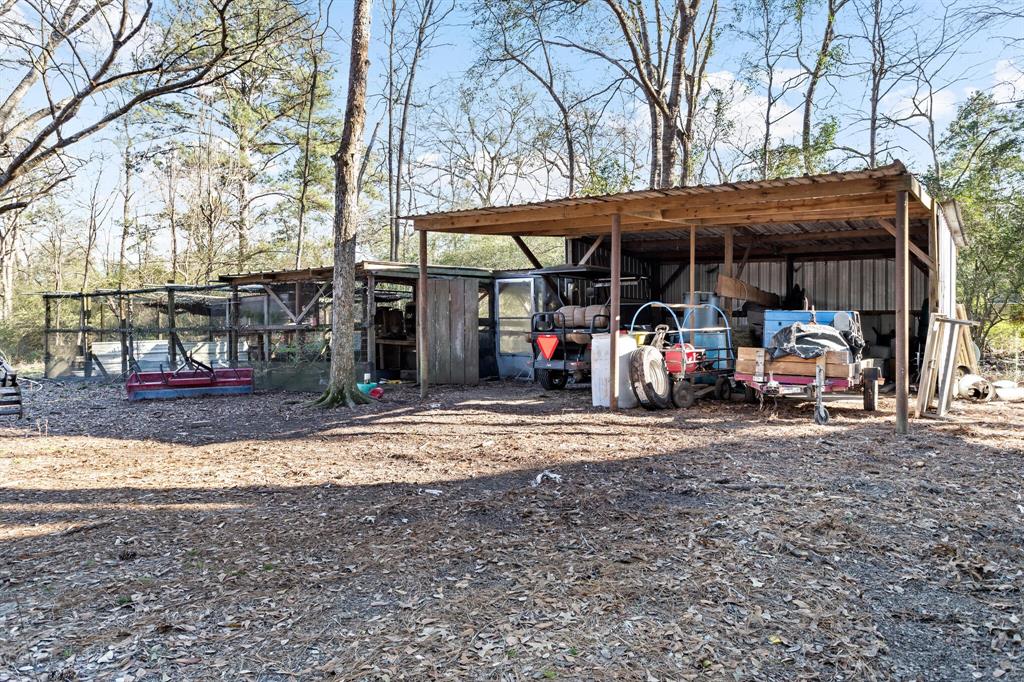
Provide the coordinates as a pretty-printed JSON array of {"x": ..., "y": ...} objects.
[{"x": 561, "y": 336}]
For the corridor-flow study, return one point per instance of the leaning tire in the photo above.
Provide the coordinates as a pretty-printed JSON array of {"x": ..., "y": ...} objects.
[
  {"x": 551, "y": 380},
  {"x": 683, "y": 394},
  {"x": 649, "y": 377}
]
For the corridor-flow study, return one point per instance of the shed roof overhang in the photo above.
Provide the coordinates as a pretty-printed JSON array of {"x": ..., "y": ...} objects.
[{"x": 847, "y": 213}]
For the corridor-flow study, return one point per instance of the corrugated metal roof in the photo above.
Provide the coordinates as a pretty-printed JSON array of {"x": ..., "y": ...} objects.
[{"x": 894, "y": 169}]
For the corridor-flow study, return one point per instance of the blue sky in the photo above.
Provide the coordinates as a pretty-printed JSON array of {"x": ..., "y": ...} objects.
[{"x": 988, "y": 62}]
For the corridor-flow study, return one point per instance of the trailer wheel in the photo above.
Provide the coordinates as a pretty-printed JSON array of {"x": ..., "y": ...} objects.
[
  {"x": 683, "y": 394},
  {"x": 649, "y": 376},
  {"x": 723, "y": 390},
  {"x": 870, "y": 380},
  {"x": 821, "y": 416},
  {"x": 749, "y": 394},
  {"x": 551, "y": 380}
]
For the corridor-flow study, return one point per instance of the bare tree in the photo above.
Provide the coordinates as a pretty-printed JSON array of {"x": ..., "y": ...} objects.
[
  {"x": 815, "y": 71},
  {"x": 136, "y": 53},
  {"x": 772, "y": 52},
  {"x": 405, "y": 54},
  {"x": 342, "y": 389}
]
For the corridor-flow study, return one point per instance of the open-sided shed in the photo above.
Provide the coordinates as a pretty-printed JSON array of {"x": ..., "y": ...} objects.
[{"x": 880, "y": 212}]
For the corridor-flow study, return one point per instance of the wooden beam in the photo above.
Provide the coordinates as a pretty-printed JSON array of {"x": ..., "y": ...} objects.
[
  {"x": 421, "y": 319},
  {"x": 646, "y": 205},
  {"x": 281, "y": 304},
  {"x": 809, "y": 214},
  {"x": 914, "y": 248},
  {"x": 743, "y": 261},
  {"x": 737, "y": 288},
  {"x": 901, "y": 288},
  {"x": 671, "y": 278},
  {"x": 313, "y": 301},
  {"x": 661, "y": 243},
  {"x": 590, "y": 252},
  {"x": 526, "y": 251},
  {"x": 615, "y": 312}
]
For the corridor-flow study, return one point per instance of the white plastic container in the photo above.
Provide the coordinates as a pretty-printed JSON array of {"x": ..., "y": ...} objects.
[{"x": 600, "y": 370}]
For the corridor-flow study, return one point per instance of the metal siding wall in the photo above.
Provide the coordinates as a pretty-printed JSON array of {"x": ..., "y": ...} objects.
[{"x": 831, "y": 285}]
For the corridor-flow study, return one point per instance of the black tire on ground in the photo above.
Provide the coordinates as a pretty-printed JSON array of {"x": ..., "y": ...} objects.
[
  {"x": 870, "y": 390},
  {"x": 749, "y": 394},
  {"x": 723, "y": 389},
  {"x": 683, "y": 394},
  {"x": 649, "y": 377},
  {"x": 551, "y": 379}
]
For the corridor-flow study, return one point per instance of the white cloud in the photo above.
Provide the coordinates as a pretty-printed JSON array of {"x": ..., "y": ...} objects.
[{"x": 1009, "y": 81}]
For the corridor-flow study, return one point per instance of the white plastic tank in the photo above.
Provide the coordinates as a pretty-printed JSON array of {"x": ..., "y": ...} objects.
[{"x": 600, "y": 370}]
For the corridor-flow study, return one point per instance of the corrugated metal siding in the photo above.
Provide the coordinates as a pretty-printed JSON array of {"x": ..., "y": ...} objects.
[{"x": 831, "y": 285}]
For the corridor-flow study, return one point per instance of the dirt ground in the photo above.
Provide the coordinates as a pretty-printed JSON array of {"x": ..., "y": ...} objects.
[{"x": 504, "y": 533}]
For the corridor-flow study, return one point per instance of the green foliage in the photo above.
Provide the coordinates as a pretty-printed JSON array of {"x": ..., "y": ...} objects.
[
  {"x": 609, "y": 177},
  {"x": 982, "y": 157}
]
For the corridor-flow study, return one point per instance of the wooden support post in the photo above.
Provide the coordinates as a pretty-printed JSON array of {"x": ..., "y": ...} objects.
[
  {"x": 371, "y": 327},
  {"x": 48, "y": 323},
  {"x": 727, "y": 268},
  {"x": 233, "y": 328},
  {"x": 172, "y": 348},
  {"x": 901, "y": 291},
  {"x": 83, "y": 343},
  {"x": 933, "y": 256},
  {"x": 421, "y": 318},
  {"x": 122, "y": 308},
  {"x": 615, "y": 312},
  {"x": 790, "y": 274},
  {"x": 693, "y": 282},
  {"x": 266, "y": 323}
]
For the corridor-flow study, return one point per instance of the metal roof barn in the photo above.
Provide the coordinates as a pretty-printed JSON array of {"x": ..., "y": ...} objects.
[{"x": 880, "y": 213}]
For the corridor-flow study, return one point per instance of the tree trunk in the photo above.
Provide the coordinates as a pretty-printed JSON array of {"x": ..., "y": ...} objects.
[
  {"x": 342, "y": 389},
  {"x": 304, "y": 189},
  {"x": 655, "y": 146},
  {"x": 813, "y": 77}
]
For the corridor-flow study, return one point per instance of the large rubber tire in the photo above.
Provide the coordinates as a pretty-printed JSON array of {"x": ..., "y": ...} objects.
[
  {"x": 551, "y": 379},
  {"x": 870, "y": 393},
  {"x": 649, "y": 377},
  {"x": 723, "y": 389},
  {"x": 749, "y": 395},
  {"x": 684, "y": 394}
]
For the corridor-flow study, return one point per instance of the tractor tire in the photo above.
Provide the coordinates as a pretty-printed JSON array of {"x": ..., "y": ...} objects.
[
  {"x": 551, "y": 379},
  {"x": 649, "y": 377},
  {"x": 683, "y": 394}
]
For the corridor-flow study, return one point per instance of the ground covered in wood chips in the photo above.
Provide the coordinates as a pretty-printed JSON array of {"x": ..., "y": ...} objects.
[{"x": 504, "y": 533}]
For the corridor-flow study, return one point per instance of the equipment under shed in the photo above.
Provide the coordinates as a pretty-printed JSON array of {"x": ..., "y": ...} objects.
[{"x": 870, "y": 239}]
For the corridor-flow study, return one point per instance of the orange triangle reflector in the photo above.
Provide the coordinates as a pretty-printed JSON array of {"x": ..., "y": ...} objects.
[{"x": 548, "y": 343}]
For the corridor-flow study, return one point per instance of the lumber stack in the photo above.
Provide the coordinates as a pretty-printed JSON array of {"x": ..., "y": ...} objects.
[
  {"x": 731, "y": 287},
  {"x": 838, "y": 364}
]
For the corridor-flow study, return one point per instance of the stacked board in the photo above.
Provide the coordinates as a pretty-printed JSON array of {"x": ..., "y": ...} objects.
[{"x": 838, "y": 364}]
